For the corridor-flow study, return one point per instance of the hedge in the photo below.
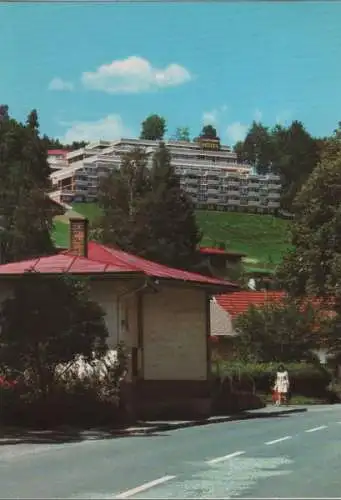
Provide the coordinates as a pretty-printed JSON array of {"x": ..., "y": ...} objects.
[{"x": 305, "y": 379}]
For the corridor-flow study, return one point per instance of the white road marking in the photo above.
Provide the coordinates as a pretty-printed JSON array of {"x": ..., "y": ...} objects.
[
  {"x": 144, "y": 487},
  {"x": 314, "y": 429},
  {"x": 279, "y": 440},
  {"x": 225, "y": 457}
]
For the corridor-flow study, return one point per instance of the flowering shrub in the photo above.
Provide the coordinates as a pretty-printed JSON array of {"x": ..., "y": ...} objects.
[{"x": 7, "y": 384}]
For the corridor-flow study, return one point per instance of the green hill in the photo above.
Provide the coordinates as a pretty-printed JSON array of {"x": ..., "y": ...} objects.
[{"x": 263, "y": 238}]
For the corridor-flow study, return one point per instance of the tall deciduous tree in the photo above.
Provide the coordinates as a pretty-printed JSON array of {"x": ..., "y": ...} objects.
[
  {"x": 146, "y": 212},
  {"x": 182, "y": 134},
  {"x": 281, "y": 332},
  {"x": 57, "y": 322},
  {"x": 289, "y": 152},
  {"x": 153, "y": 128},
  {"x": 314, "y": 266},
  {"x": 121, "y": 198},
  {"x": 25, "y": 210}
]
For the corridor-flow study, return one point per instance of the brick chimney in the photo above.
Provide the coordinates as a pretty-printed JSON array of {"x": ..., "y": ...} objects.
[{"x": 79, "y": 236}]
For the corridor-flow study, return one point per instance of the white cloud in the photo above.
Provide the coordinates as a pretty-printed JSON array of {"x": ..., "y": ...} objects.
[
  {"x": 133, "y": 75},
  {"x": 212, "y": 117},
  {"x": 60, "y": 84},
  {"x": 110, "y": 127},
  {"x": 258, "y": 115},
  {"x": 236, "y": 131},
  {"x": 284, "y": 117}
]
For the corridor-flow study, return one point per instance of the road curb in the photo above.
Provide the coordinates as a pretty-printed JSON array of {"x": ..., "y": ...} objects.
[{"x": 166, "y": 426}]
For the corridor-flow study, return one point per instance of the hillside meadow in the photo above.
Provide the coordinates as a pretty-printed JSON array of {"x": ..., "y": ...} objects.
[{"x": 264, "y": 238}]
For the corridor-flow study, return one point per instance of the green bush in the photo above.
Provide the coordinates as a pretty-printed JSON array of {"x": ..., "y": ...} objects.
[{"x": 305, "y": 379}]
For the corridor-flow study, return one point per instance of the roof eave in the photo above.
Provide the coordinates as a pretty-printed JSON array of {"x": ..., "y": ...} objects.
[
  {"x": 93, "y": 275},
  {"x": 213, "y": 288}
]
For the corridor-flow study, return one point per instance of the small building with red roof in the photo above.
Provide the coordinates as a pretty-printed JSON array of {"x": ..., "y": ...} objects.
[
  {"x": 219, "y": 262},
  {"x": 225, "y": 308},
  {"x": 161, "y": 314}
]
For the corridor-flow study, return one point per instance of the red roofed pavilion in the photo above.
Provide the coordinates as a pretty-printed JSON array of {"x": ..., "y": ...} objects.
[{"x": 162, "y": 315}]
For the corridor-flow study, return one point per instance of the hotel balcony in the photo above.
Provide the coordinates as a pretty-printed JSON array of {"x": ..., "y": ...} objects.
[
  {"x": 274, "y": 196},
  {"x": 212, "y": 200},
  {"x": 274, "y": 204},
  {"x": 253, "y": 194}
]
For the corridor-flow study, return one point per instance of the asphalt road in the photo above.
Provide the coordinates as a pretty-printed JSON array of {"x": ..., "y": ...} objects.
[{"x": 292, "y": 456}]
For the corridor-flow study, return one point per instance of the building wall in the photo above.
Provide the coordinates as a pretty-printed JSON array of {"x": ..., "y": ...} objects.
[
  {"x": 174, "y": 335},
  {"x": 214, "y": 179},
  {"x": 118, "y": 300}
]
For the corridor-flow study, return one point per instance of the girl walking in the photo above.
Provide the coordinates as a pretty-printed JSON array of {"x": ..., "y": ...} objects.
[{"x": 282, "y": 385}]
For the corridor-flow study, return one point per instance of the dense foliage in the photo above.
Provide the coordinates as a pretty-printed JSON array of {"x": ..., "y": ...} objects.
[
  {"x": 57, "y": 323},
  {"x": 314, "y": 265},
  {"x": 278, "y": 332},
  {"x": 289, "y": 151},
  {"x": 153, "y": 128},
  {"x": 146, "y": 212},
  {"x": 26, "y": 213},
  {"x": 182, "y": 134},
  {"x": 307, "y": 379},
  {"x": 209, "y": 132}
]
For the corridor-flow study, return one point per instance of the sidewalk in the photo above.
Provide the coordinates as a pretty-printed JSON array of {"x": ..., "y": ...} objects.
[
  {"x": 151, "y": 427},
  {"x": 15, "y": 435}
]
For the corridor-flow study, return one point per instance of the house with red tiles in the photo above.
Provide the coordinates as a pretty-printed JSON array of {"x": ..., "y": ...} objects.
[
  {"x": 225, "y": 308},
  {"x": 160, "y": 313}
]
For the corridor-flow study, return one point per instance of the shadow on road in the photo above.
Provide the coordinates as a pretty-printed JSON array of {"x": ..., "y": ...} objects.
[{"x": 24, "y": 436}]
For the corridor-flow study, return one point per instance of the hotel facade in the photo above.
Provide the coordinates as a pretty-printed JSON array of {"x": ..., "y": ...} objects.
[{"x": 209, "y": 172}]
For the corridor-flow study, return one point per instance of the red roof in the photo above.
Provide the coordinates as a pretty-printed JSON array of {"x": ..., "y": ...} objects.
[
  {"x": 57, "y": 152},
  {"x": 102, "y": 259},
  {"x": 219, "y": 251},
  {"x": 114, "y": 256},
  {"x": 238, "y": 302},
  {"x": 63, "y": 263}
]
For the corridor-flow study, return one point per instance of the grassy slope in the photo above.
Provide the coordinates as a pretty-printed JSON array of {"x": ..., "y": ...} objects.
[
  {"x": 61, "y": 234},
  {"x": 262, "y": 237}
]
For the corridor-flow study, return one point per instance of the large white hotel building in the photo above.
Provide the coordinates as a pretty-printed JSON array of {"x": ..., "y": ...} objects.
[{"x": 209, "y": 173}]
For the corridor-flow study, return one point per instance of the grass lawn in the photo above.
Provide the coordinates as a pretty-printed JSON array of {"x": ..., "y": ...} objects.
[
  {"x": 60, "y": 234},
  {"x": 263, "y": 238},
  {"x": 90, "y": 210}
]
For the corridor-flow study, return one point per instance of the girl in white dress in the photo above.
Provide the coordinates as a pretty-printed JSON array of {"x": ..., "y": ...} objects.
[{"x": 282, "y": 385}]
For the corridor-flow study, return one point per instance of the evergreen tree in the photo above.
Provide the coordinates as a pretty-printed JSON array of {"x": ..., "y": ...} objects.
[
  {"x": 295, "y": 155},
  {"x": 26, "y": 214},
  {"x": 145, "y": 212},
  {"x": 174, "y": 233},
  {"x": 209, "y": 132},
  {"x": 257, "y": 148}
]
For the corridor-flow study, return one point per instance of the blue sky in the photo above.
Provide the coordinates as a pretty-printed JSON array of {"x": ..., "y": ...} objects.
[{"x": 96, "y": 71}]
